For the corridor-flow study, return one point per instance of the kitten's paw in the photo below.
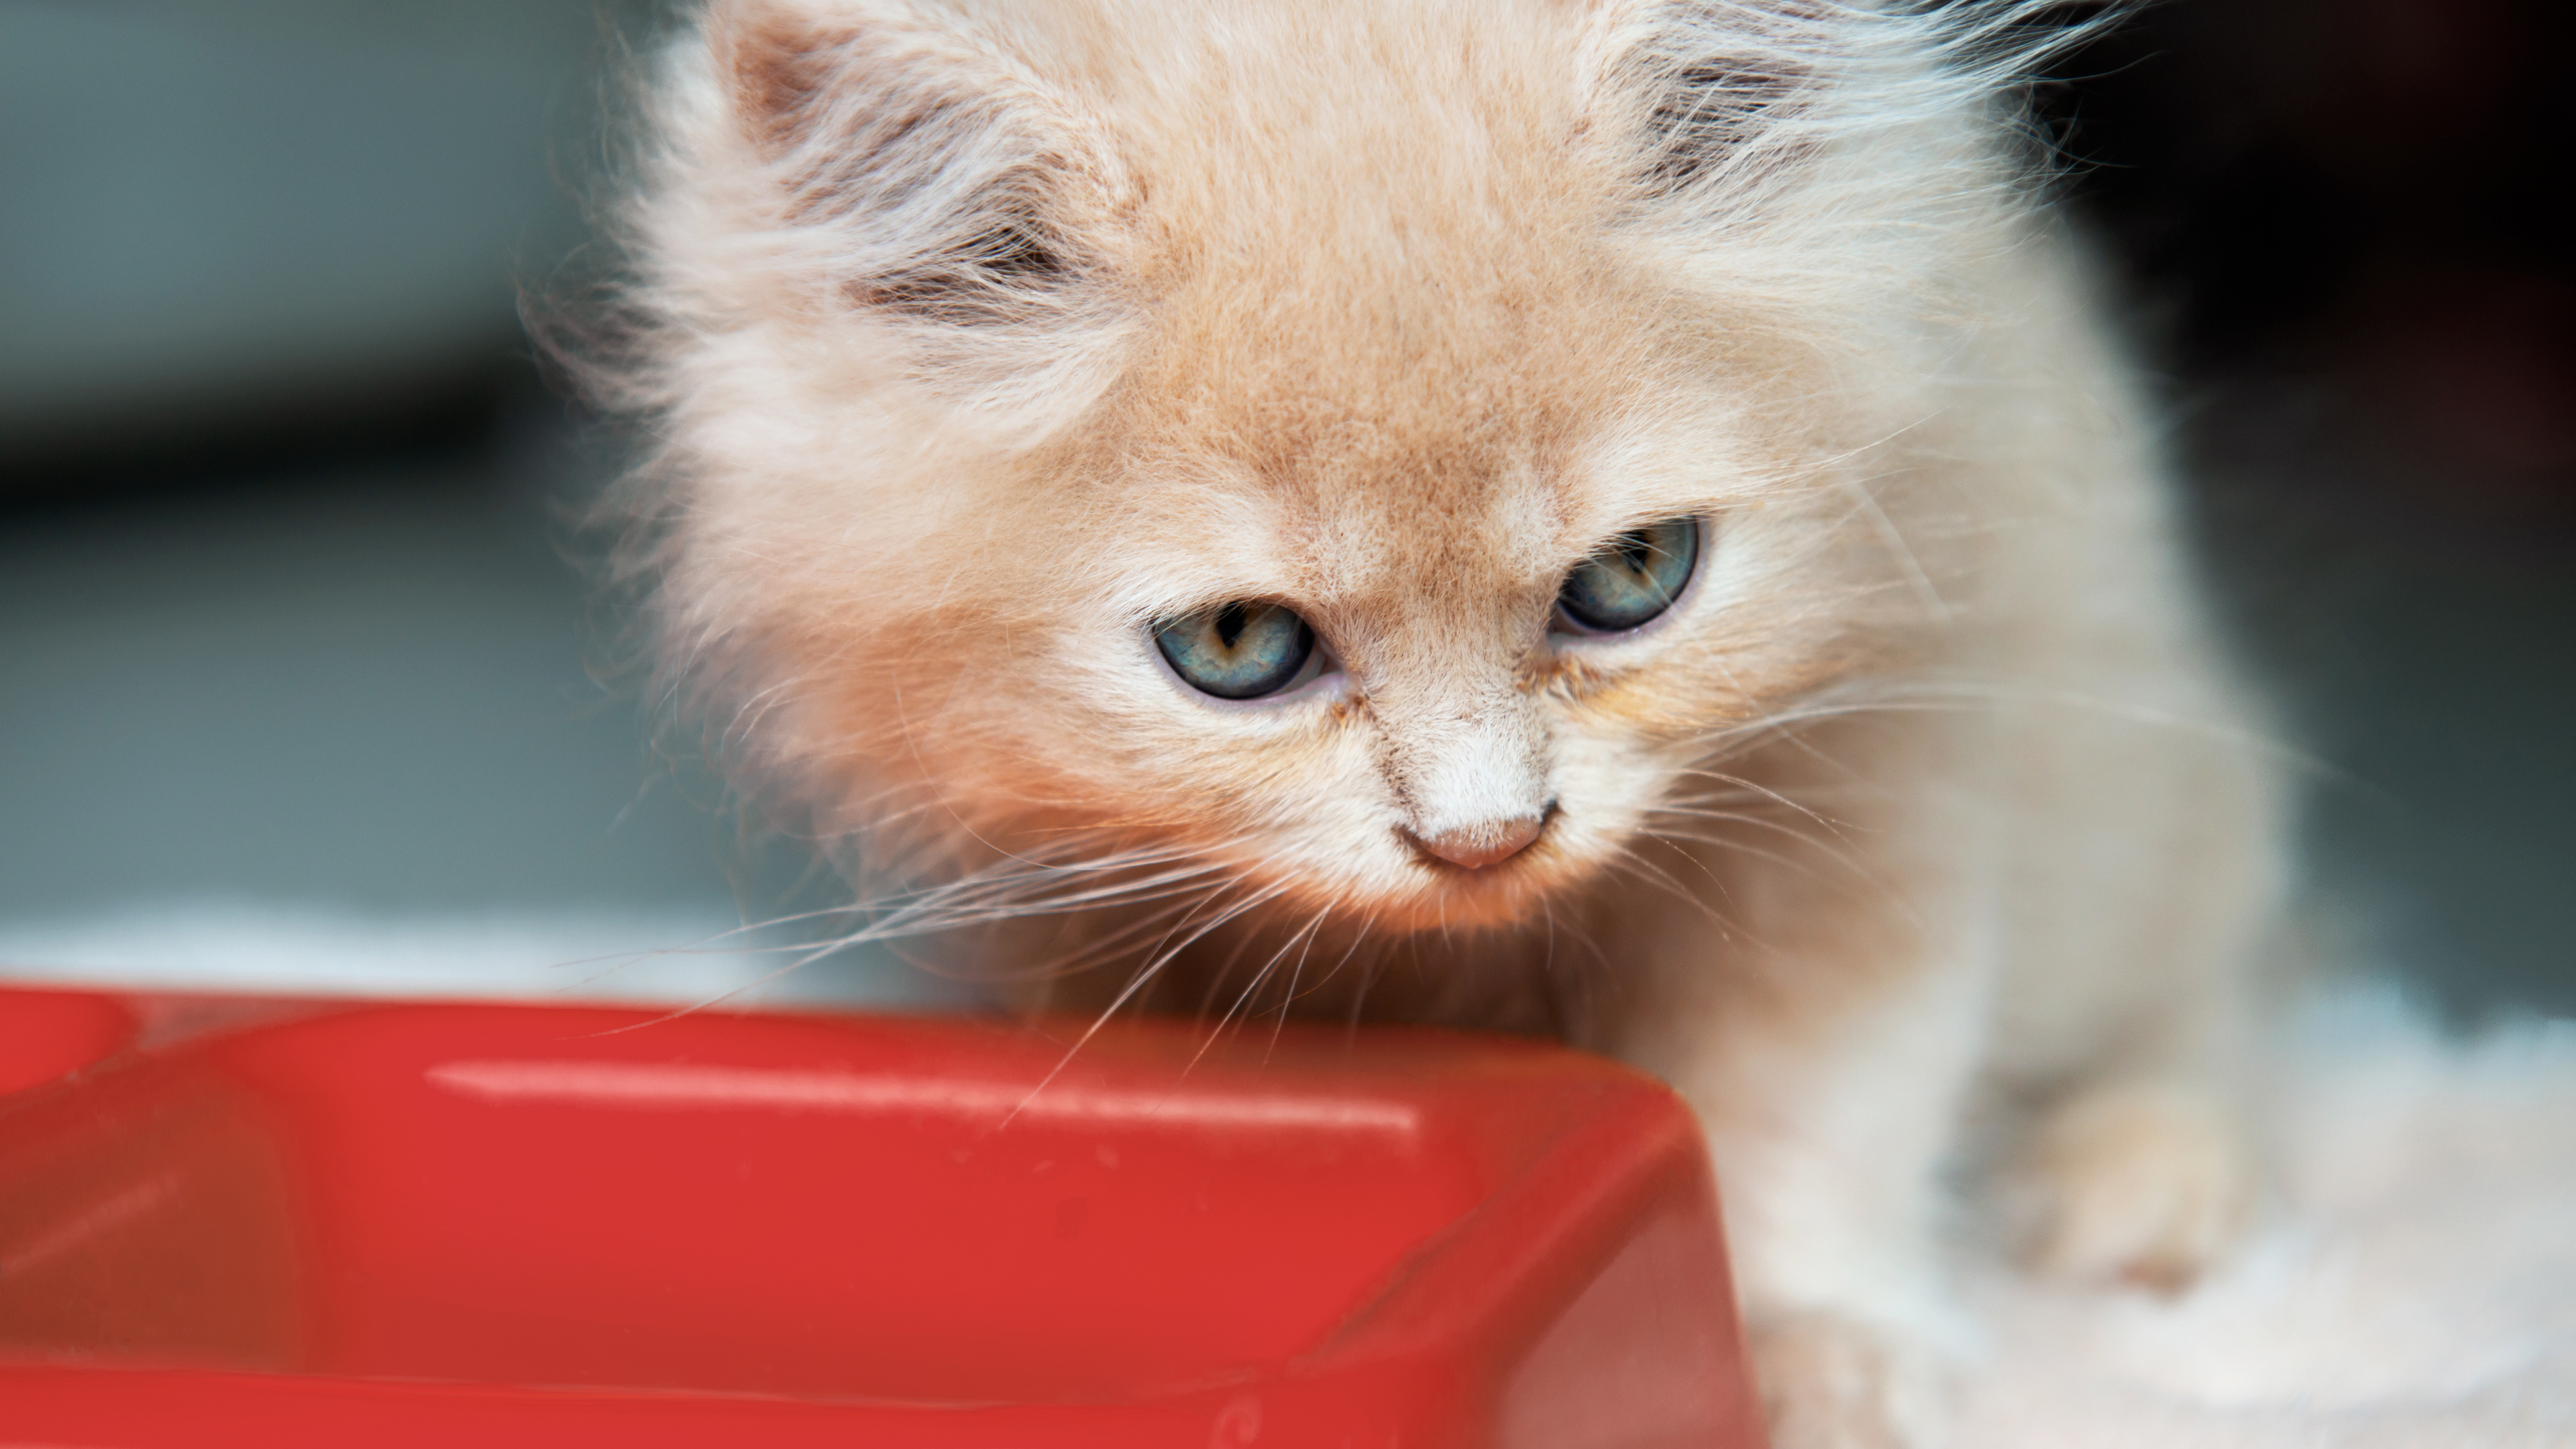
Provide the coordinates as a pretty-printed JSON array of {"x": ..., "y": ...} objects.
[
  {"x": 1832, "y": 1382},
  {"x": 2143, "y": 1183}
]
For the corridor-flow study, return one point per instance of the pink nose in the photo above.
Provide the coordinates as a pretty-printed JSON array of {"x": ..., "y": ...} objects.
[{"x": 1473, "y": 847}]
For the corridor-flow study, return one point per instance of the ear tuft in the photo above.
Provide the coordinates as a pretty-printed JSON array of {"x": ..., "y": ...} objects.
[
  {"x": 1708, "y": 110},
  {"x": 1723, "y": 85},
  {"x": 938, "y": 180},
  {"x": 776, "y": 67},
  {"x": 980, "y": 279}
]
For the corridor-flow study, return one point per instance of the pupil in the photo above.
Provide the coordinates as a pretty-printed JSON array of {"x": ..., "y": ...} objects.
[
  {"x": 1229, "y": 624},
  {"x": 1635, "y": 550}
]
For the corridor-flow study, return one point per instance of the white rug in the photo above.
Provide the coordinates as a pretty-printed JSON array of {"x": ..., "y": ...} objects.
[
  {"x": 2413, "y": 1288},
  {"x": 688, "y": 955}
]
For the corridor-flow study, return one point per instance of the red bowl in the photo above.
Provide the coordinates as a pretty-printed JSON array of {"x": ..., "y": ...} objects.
[{"x": 434, "y": 1224}]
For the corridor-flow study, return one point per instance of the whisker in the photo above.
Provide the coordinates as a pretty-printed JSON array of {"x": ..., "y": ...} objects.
[
  {"x": 1153, "y": 966},
  {"x": 1254, "y": 986}
]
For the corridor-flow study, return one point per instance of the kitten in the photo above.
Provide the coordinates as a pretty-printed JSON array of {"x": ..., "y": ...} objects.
[{"x": 1612, "y": 518}]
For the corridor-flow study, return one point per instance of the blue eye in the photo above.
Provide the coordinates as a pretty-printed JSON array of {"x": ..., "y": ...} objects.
[
  {"x": 1238, "y": 651},
  {"x": 1632, "y": 579}
]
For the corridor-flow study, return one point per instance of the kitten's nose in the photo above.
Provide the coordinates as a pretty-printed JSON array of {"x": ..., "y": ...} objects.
[{"x": 1473, "y": 847}]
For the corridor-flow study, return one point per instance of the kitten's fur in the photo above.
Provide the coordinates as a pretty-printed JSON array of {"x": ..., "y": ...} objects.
[{"x": 981, "y": 336}]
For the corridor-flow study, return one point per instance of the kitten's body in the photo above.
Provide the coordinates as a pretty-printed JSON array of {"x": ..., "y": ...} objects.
[{"x": 986, "y": 338}]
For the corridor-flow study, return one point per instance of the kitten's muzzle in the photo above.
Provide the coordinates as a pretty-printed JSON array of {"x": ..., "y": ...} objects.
[{"x": 1489, "y": 842}]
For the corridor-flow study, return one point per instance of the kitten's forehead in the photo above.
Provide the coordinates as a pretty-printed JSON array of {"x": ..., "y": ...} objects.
[
  {"x": 1420, "y": 486},
  {"x": 1386, "y": 428},
  {"x": 1387, "y": 314},
  {"x": 1437, "y": 480},
  {"x": 1332, "y": 448},
  {"x": 1380, "y": 334},
  {"x": 1335, "y": 529}
]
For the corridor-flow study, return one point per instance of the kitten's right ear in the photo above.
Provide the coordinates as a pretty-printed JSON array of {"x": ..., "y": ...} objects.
[
  {"x": 932, "y": 176},
  {"x": 1722, "y": 88}
]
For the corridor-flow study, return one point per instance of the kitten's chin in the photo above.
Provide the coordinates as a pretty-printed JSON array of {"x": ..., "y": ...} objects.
[{"x": 1496, "y": 896}]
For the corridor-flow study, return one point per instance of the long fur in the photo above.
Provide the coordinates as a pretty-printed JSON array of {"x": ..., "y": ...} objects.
[{"x": 978, "y": 338}]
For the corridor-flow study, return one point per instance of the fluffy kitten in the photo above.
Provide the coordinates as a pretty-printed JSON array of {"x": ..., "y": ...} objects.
[{"x": 1612, "y": 518}]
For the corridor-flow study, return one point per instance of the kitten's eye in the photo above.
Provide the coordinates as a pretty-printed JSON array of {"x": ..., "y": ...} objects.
[
  {"x": 1239, "y": 651},
  {"x": 1632, "y": 579}
]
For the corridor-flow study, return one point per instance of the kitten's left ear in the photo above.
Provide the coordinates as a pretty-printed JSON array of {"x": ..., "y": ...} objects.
[{"x": 930, "y": 173}]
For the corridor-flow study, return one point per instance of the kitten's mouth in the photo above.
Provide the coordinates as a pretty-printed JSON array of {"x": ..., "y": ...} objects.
[{"x": 1480, "y": 847}]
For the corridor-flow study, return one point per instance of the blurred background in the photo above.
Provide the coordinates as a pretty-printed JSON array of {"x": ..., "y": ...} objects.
[{"x": 295, "y": 675}]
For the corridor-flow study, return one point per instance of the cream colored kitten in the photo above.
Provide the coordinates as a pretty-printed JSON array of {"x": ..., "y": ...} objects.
[{"x": 1612, "y": 518}]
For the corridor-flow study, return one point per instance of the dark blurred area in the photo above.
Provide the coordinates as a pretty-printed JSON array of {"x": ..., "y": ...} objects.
[
  {"x": 284, "y": 615},
  {"x": 2339, "y": 219}
]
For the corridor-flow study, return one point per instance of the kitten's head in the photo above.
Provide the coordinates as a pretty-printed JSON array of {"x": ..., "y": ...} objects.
[{"x": 1379, "y": 453}]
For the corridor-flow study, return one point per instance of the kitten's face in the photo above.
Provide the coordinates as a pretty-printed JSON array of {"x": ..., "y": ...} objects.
[{"x": 1277, "y": 445}]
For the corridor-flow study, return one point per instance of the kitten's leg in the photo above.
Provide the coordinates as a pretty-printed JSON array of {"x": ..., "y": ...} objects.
[
  {"x": 2141, "y": 1171},
  {"x": 2138, "y": 1167},
  {"x": 1831, "y": 1106},
  {"x": 2143, "y": 1179}
]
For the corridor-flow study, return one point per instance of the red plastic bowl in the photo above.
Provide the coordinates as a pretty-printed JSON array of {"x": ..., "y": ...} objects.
[{"x": 504, "y": 1225}]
